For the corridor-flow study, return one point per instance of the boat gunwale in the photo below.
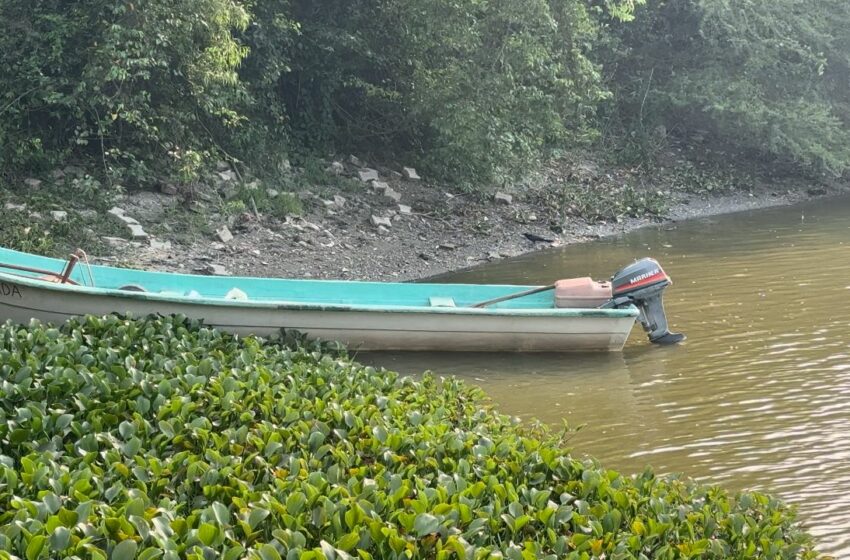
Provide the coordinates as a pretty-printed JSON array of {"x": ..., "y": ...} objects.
[{"x": 284, "y": 305}]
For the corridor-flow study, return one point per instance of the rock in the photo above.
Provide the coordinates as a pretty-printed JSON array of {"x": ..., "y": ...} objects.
[
  {"x": 394, "y": 195},
  {"x": 217, "y": 246},
  {"x": 216, "y": 270},
  {"x": 448, "y": 246},
  {"x": 272, "y": 193},
  {"x": 222, "y": 165},
  {"x": 817, "y": 191},
  {"x": 379, "y": 221},
  {"x": 168, "y": 188},
  {"x": 57, "y": 174},
  {"x": 494, "y": 255},
  {"x": 118, "y": 214},
  {"x": 115, "y": 241},
  {"x": 396, "y": 175},
  {"x": 336, "y": 168},
  {"x": 383, "y": 230},
  {"x": 72, "y": 170},
  {"x": 410, "y": 174},
  {"x": 340, "y": 201},
  {"x": 32, "y": 183},
  {"x": 356, "y": 161},
  {"x": 379, "y": 186},
  {"x": 503, "y": 198},
  {"x": 137, "y": 232},
  {"x": 88, "y": 214},
  {"x": 228, "y": 176},
  {"x": 59, "y": 215},
  {"x": 15, "y": 207},
  {"x": 311, "y": 225},
  {"x": 367, "y": 175},
  {"x": 404, "y": 209},
  {"x": 157, "y": 245},
  {"x": 223, "y": 233}
]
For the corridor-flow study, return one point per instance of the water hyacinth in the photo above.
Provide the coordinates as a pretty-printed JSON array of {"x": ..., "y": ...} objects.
[{"x": 158, "y": 438}]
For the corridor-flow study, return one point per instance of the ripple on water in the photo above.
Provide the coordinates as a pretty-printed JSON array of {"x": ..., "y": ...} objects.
[{"x": 757, "y": 398}]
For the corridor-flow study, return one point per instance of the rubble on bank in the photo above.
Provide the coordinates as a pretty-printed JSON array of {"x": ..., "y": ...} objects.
[{"x": 376, "y": 223}]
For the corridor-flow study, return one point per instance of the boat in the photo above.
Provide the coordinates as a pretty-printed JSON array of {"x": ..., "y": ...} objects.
[{"x": 583, "y": 315}]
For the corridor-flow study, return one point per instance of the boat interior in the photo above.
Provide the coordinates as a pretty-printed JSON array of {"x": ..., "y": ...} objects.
[{"x": 78, "y": 274}]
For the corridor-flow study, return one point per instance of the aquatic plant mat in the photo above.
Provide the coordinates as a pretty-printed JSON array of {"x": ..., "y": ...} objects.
[{"x": 158, "y": 438}]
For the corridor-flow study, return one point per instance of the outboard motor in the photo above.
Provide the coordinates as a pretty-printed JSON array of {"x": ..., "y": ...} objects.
[{"x": 642, "y": 284}]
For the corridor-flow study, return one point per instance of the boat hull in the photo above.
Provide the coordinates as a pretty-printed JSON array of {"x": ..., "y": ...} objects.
[{"x": 359, "y": 329}]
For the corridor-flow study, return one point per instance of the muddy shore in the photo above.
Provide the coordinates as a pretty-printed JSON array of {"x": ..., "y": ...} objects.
[
  {"x": 360, "y": 233},
  {"x": 377, "y": 224}
]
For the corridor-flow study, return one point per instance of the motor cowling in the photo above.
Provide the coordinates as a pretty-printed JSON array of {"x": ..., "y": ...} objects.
[{"x": 642, "y": 284}]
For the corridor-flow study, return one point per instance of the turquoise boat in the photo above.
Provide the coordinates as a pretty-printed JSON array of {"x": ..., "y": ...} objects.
[{"x": 362, "y": 315}]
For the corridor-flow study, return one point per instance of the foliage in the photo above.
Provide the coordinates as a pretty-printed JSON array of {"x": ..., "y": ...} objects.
[
  {"x": 474, "y": 92},
  {"x": 471, "y": 90},
  {"x": 158, "y": 438},
  {"x": 770, "y": 82},
  {"x": 126, "y": 87}
]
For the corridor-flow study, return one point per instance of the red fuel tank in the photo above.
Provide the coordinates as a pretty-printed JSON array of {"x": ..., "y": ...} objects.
[{"x": 581, "y": 292}]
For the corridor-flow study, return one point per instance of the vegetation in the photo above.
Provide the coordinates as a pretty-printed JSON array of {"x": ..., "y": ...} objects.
[
  {"x": 473, "y": 91},
  {"x": 736, "y": 76},
  {"x": 159, "y": 438}
]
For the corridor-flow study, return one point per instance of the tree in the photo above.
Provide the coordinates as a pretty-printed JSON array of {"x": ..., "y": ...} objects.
[
  {"x": 770, "y": 81},
  {"x": 130, "y": 85}
]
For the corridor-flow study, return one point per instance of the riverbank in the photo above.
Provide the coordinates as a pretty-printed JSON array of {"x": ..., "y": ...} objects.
[{"x": 355, "y": 222}]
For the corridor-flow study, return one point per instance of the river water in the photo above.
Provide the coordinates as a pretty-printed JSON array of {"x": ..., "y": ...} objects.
[{"x": 757, "y": 398}]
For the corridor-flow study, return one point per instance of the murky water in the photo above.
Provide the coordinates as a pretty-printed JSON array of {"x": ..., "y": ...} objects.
[{"x": 757, "y": 398}]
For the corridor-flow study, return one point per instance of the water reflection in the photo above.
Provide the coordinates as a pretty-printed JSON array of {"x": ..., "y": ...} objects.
[{"x": 759, "y": 395}]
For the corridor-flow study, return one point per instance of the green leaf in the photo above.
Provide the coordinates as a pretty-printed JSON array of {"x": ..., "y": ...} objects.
[
  {"x": 35, "y": 546},
  {"x": 207, "y": 533},
  {"x": 221, "y": 514},
  {"x": 63, "y": 421},
  {"x": 268, "y": 552},
  {"x": 150, "y": 553},
  {"x": 60, "y": 538},
  {"x": 257, "y": 516},
  {"x": 348, "y": 541},
  {"x": 125, "y": 550},
  {"x": 426, "y": 524}
]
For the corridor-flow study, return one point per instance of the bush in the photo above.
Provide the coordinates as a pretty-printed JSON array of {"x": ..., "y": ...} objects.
[
  {"x": 128, "y": 88},
  {"x": 748, "y": 78},
  {"x": 158, "y": 438},
  {"x": 474, "y": 91}
]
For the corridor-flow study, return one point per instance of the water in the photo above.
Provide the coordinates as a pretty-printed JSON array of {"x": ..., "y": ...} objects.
[{"x": 758, "y": 397}]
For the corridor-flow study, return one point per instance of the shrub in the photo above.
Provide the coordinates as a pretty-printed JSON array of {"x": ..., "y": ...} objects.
[
  {"x": 472, "y": 90},
  {"x": 128, "y": 87},
  {"x": 749, "y": 79},
  {"x": 158, "y": 438}
]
